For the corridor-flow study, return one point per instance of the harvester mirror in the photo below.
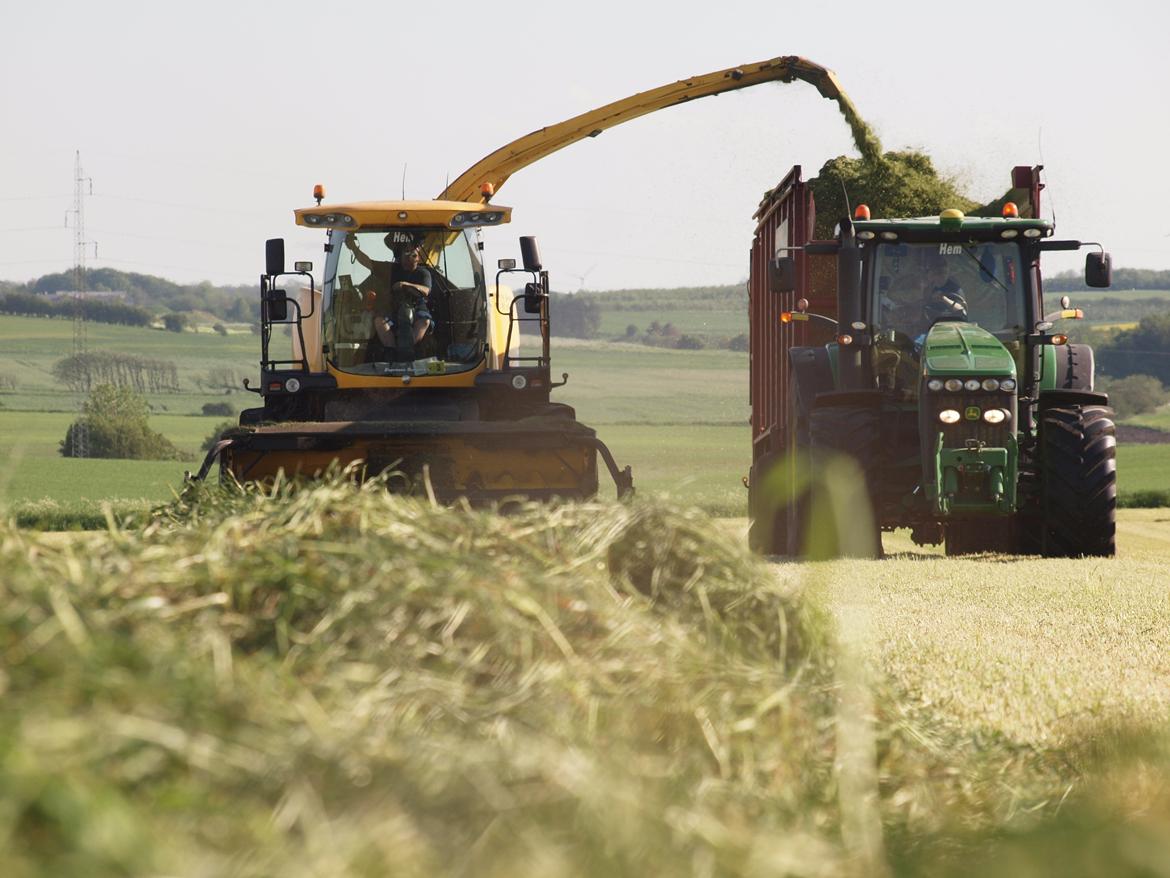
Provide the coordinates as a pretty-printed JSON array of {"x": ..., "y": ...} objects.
[
  {"x": 1098, "y": 269},
  {"x": 532, "y": 294},
  {"x": 275, "y": 304},
  {"x": 530, "y": 253},
  {"x": 274, "y": 256},
  {"x": 506, "y": 264},
  {"x": 782, "y": 274}
]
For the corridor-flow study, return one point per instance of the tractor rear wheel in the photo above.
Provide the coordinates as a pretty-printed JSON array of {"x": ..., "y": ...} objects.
[
  {"x": 1078, "y": 466},
  {"x": 851, "y": 430}
]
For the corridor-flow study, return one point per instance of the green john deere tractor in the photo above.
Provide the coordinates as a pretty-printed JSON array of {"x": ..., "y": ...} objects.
[{"x": 947, "y": 381}]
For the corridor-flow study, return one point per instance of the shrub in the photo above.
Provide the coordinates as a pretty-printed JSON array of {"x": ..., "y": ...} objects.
[
  {"x": 631, "y": 331},
  {"x": 223, "y": 409},
  {"x": 174, "y": 321},
  {"x": 216, "y": 434},
  {"x": 690, "y": 343},
  {"x": 115, "y": 419},
  {"x": 739, "y": 342},
  {"x": 1133, "y": 394},
  {"x": 220, "y": 329}
]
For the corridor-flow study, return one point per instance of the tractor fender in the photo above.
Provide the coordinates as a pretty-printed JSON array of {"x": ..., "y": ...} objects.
[
  {"x": 1050, "y": 398},
  {"x": 812, "y": 372}
]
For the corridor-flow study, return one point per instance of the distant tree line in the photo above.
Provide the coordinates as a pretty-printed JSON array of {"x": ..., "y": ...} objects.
[
  {"x": 82, "y": 372},
  {"x": 150, "y": 294},
  {"x": 97, "y": 310},
  {"x": 1123, "y": 279}
]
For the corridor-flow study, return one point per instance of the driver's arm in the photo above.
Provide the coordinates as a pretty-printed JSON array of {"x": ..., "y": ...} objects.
[{"x": 359, "y": 254}]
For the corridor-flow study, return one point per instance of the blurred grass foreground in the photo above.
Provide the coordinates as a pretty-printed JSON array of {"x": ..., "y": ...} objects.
[{"x": 337, "y": 681}]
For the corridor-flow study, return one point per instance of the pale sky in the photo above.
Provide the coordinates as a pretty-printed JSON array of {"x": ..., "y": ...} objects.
[{"x": 203, "y": 125}]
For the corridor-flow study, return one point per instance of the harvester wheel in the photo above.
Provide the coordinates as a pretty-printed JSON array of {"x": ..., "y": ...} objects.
[
  {"x": 1078, "y": 450},
  {"x": 852, "y": 430}
]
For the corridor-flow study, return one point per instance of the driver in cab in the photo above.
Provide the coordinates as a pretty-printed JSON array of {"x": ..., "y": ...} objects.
[{"x": 405, "y": 280}]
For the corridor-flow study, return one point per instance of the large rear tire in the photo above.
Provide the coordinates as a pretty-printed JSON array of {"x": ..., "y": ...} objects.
[
  {"x": 843, "y": 430},
  {"x": 1078, "y": 466}
]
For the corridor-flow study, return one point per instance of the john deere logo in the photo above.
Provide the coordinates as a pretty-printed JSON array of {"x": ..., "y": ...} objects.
[{"x": 972, "y": 413}]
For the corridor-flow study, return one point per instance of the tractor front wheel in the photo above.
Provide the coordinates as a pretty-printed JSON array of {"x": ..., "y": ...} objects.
[{"x": 1078, "y": 467}]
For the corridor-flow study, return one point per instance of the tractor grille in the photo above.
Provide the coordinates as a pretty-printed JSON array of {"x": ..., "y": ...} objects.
[{"x": 956, "y": 435}]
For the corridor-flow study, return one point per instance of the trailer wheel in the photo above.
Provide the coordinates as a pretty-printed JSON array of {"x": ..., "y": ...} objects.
[
  {"x": 1078, "y": 451},
  {"x": 854, "y": 431}
]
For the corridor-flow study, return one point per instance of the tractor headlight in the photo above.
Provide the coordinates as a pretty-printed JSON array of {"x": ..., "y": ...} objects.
[
  {"x": 971, "y": 385},
  {"x": 990, "y": 384},
  {"x": 995, "y": 416},
  {"x": 292, "y": 385},
  {"x": 1007, "y": 385},
  {"x": 934, "y": 385},
  {"x": 954, "y": 385},
  {"x": 949, "y": 416}
]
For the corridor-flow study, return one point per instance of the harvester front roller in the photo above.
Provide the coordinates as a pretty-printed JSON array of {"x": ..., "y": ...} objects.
[{"x": 483, "y": 461}]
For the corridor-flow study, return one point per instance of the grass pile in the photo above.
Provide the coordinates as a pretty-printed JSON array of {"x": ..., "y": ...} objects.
[{"x": 337, "y": 681}]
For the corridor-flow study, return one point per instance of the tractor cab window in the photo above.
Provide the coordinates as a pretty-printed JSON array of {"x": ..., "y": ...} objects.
[
  {"x": 916, "y": 285},
  {"x": 404, "y": 301}
]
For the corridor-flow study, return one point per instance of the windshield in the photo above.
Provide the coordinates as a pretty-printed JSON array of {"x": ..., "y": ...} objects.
[
  {"x": 916, "y": 285},
  {"x": 405, "y": 300}
]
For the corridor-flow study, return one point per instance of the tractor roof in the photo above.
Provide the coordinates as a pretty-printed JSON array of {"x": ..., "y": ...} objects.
[
  {"x": 356, "y": 215},
  {"x": 944, "y": 227}
]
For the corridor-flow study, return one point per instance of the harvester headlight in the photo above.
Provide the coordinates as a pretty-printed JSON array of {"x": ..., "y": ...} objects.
[
  {"x": 346, "y": 219},
  {"x": 949, "y": 416},
  {"x": 457, "y": 220},
  {"x": 865, "y": 236},
  {"x": 995, "y": 416},
  {"x": 934, "y": 384},
  {"x": 889, "y": 236},
  {"x": 1007, "y": 384},
  {"x": 954, "y": 385},
  {"x": 292, "y": 385},
  {"x": 312, "y": 219},
  {"x": 971, "y": 385},
  {"x": 990, "y": 384}
]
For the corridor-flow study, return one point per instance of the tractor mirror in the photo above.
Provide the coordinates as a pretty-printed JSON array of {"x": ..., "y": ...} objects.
[
  {"x": 530, "y": 253},
  {"x": 782, "y": 274},
  {"x": 275, "y": 306},
  {"x": 532, "y": 294},
  {"x": 1098, "y": 269},
  {"x": 274, "y": 256}
]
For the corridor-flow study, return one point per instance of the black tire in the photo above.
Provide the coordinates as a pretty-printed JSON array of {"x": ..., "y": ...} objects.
[
  {"x": 767, "y": 531},
  {"x": 1078, "y": 467},
  {"x": 1075, "y": 367},
  {"x": 853, "y": 430}
]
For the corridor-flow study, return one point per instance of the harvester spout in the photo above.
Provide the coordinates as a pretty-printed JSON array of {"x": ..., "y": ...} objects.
[{"x": 489, "y": 174}]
